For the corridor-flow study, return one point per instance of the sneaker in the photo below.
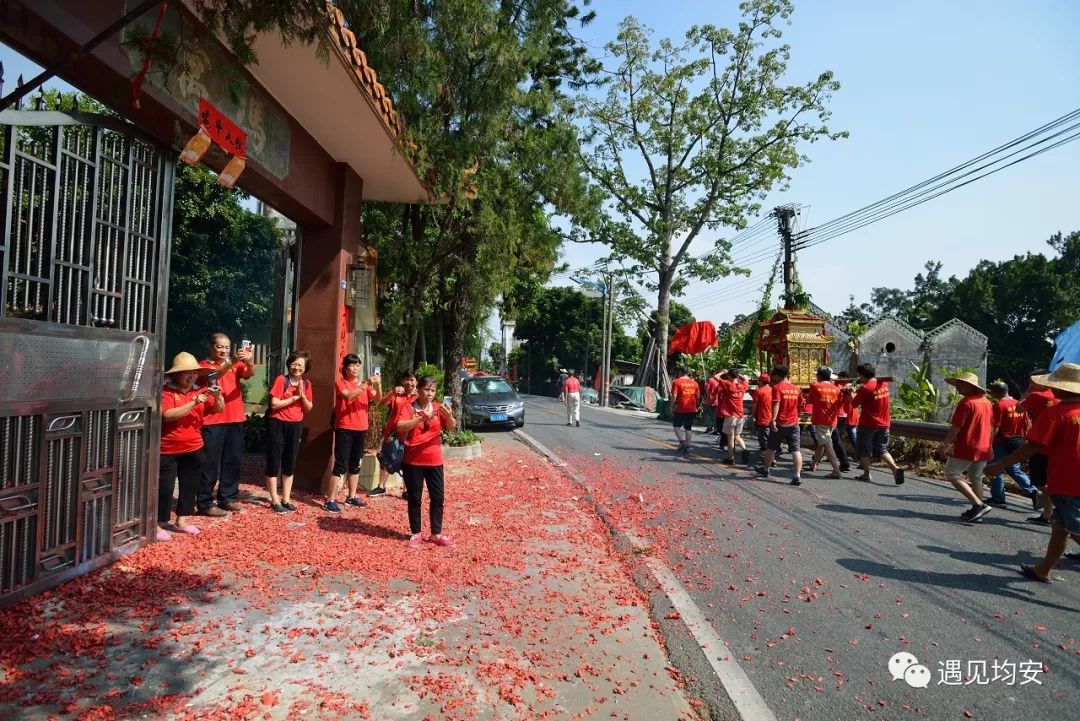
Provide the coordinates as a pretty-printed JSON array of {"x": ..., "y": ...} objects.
[
  {"x": 332, "y": 507},
  {"x": 357, "y": 501},
  {"x": 377, "y": 491},
  {"x": 796, "y": 481},
  {"x": 746, "y": 458},
  {"x": 414, "y": 541},
  {"x": 1039, "y": 521},
  {"x": 288, "y": 506},
  {"x": 729, "y": 461},
  {"x": 579, "y": 424},
  {"x": 974, "y": 513},
  {"x": 762, "y": 471},
  {"x": 898, "y": 476},
  {"x": 441, "y": 540},
  {"x": 162, "y": 535},
  {"x": 996, "y": 503},
  {"x": 278, "y": 508},
  {"x": 213, "y": 512}
]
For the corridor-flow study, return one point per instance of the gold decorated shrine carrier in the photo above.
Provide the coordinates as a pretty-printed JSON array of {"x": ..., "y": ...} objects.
[{"x": 797, "y": 339}]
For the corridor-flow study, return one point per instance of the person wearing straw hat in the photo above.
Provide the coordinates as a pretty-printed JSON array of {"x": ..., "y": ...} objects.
[
  {"x": 1037, "y": 400},
  {"x": 1055, "y": 434},
  {"x": 970, "y": 438},
  {"x": 183, "y": 408}
]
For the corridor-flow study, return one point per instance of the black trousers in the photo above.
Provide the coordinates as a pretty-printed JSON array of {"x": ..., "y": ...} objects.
[
  {"x": 282, "y": 447},
  {"x": 415, "y": 476},
  {"x": 348, "y": 450},
  {"x": 188, "y": 468},
  {"x": 224, "y": 446},
  {"x": 838, "y": 448}
]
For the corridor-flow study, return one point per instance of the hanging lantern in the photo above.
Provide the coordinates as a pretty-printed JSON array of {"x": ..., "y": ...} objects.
[
  {"x": 196, "y": 147},
  {"x": 232, "y": 171}
]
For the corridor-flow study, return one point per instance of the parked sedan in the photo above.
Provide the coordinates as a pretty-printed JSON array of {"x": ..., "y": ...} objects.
[{"x": 490, "y": 400}]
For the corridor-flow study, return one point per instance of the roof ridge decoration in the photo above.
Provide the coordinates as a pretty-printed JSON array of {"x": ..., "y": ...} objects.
[
  {"x": 956, "y": 323},
  {"x": 366, "y": 74},
  {"x": 899, "y": 322}
]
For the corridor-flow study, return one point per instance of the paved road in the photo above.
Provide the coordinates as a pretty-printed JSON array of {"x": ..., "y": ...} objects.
[{"x": 815, "y": 588}]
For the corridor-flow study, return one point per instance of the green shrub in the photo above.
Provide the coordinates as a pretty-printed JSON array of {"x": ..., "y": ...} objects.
[
  {"x": 255, "y": 433},
  {"x": 460, "y": 438},
  {"x": 430, "y": 369}
]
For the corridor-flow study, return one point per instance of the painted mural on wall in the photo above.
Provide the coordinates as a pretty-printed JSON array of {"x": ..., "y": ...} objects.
[{"x": 186, "y": 65}]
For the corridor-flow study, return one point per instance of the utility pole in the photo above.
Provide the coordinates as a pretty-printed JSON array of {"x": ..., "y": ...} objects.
[
  {"x": 605, "y": 372},
  {"x": 785, "y": 219}
]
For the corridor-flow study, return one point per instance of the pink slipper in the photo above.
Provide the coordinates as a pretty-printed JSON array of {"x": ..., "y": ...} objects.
[
  {"x": 415, "y": 541},
  {"x": 441, "y": 540},
  {"x": 162, "y": 535},
  {"x": 189, "y": 528}
]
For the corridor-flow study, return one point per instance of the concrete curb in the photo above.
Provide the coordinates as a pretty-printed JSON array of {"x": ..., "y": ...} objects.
[
  {"x": 460, "y": 453},
  {"x": 712, "y": 675}
]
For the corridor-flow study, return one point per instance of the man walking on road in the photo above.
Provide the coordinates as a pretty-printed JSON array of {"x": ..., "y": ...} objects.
[
  {"x": 711, "y": 404},
  {"x": 1055, "y": 434},
  {"x": 734, "y": 386},
  {"x": 872, "y": 400},
  {"x": 1038, "y": 399},
  {"x": 572, "y": 396},
  {"x": 685, "y": 396},
  {"x": 1010, "y": 429},
  {"x": 761, "y": 411},
  {"x": 971, "y": 437},
  {"x": 784, "y": 423},
  {"x": 825, "y": 401}
]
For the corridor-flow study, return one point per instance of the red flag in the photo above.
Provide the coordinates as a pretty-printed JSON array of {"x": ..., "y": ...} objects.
[{"x": 693, "y": 338}]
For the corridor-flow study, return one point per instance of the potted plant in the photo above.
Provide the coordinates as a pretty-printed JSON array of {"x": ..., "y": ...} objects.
[{"x": 460, "y": 444}]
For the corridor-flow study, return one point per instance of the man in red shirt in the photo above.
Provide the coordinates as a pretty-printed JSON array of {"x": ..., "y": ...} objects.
[
  {"x": 761, "y": 411},
  {"x": 1055, "y": 434},
  {"x": 825, "y": 402},
  {"x": 971, "y": 437},
  {"x": 1010, "y": 429},
  {"x": 1037, "y": 400},
  {"x": 784, "y": 423},
  {"x": 734, "y": 386},
  {"x": 711, "y": 405},
  {"x": 685, "y": 395},
  {"x": 873, "y": 402},
  {"x": 223, "y": 433}
]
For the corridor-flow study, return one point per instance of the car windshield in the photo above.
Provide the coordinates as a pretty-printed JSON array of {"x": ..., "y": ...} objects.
[{"x": 488, "y": 386}]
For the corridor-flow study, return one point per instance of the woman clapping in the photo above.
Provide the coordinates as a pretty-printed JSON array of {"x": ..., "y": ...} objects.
[{"x": 352, "y": 398}]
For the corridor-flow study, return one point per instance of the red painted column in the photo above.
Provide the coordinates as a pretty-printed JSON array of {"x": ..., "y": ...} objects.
[{"x": 323, "y": 326}]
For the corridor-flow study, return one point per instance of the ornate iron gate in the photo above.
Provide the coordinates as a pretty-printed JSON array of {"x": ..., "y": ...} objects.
[{"x": 84, "y": 253}]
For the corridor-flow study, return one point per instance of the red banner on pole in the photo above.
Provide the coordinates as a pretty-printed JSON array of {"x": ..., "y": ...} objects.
[{"x": 221, "y": 130}]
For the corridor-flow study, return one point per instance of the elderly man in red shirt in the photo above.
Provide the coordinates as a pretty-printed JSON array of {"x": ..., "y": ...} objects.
[
  {"x": 873, "y": 402},
  {"x": 761, "y": 411},
  {"x": 784, "y": 423},
  {"x": 734, "y": 387},
  {"x": 1055, "y": 434},
  {"x": 971, "y": 438},
  {"x": 223, "y": 432},
  {"x": 685, "y": 395}
]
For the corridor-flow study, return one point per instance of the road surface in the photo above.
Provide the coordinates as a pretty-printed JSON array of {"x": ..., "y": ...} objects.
[{"x": 815, "y": 588}]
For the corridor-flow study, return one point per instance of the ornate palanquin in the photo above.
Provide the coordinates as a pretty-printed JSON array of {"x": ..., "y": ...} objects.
[{"x": 796, "y": 339}]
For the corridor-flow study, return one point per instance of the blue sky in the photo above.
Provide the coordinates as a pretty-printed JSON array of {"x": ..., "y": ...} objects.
[{"x": 924, "y": 86}]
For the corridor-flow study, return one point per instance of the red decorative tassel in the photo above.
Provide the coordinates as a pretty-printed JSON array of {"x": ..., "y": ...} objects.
[{"x": 146, "y": 42}]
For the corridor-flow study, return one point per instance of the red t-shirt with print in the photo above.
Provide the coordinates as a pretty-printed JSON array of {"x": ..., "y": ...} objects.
[
  {"x": 352, "y": 415},
  {"x": 789, "y": 397},
  {"x": 826, "y": 402},
  {"x": 183, "y": 435},
  {"x": 282, "y": 388},
  {"x": 231, "y": 392},
  {"x": 1010, "y": 419},
  {"x": 974, "y": 416},
  {"x": 686, "y": 393},
  {"x": 733, "y": 397},
  {"x": 1038, "y": 401},
  {"x": 762, "y": 398},
  {"x": 423, "y": 443},
  {"x": 1058, "y": 431},
  {"x": 872, "y": 398}
]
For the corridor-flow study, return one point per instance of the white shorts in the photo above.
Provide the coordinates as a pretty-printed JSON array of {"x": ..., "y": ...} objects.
[
  {"x": 734, "y": 425},
  {"x": 957, "y": 468}
]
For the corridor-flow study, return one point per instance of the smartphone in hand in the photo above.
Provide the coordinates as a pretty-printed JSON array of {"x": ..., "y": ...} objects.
[{"x": 212, "y": 381}]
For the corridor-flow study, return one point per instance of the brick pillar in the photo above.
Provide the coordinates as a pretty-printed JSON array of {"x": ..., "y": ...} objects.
[{"x": 323, "y": 325}]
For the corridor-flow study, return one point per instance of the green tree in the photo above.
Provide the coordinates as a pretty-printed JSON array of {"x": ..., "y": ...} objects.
[
  {"x": 713, "y": 129},
  {"x": 223, "y": 262}
]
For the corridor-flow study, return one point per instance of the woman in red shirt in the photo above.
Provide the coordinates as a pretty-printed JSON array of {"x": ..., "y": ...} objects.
[
  {"x": 183, "y": 407},
  {"x": 402, "y": 395},
  {"x": 420, "y": 426},
  {"x": 290, "y": 399},
  {"x": 351, "y": 398}
]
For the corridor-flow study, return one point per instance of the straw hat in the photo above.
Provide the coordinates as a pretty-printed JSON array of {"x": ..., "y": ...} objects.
[
  {"x": 1065, "y": 378},
  {"x": 185, "y": 362},
  {"x": 965, "y": 380}
]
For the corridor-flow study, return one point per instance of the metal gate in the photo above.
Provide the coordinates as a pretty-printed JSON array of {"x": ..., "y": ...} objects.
[{"x": 84, "y": 252}]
